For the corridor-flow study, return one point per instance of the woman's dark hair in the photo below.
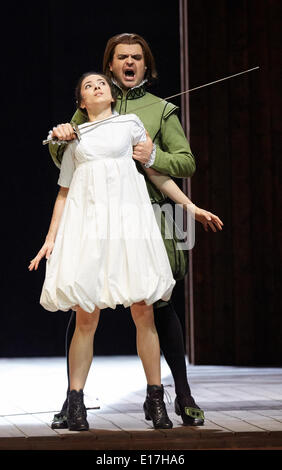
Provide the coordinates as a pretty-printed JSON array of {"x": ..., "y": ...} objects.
[
  {"x": 130, "y": 38},
  {"x": 78, "y": 97}
]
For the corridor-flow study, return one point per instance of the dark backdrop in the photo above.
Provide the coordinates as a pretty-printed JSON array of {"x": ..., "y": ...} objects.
[
  {"x": 236, "y": 136},
  {"x": 46, "y": 47}
]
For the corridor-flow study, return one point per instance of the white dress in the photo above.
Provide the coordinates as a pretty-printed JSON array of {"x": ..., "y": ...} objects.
[{"x": 108, "y": 249}]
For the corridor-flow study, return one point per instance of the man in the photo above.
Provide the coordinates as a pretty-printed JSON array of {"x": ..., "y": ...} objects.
[{"x": 129, "y": 62}]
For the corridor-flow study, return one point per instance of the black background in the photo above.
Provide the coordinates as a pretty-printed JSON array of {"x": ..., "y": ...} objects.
[{"x": 46, "y": 47}]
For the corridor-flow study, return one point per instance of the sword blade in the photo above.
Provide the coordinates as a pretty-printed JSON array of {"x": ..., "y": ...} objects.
[
  {"x": 165, "y": 99},
  {"x": 210, "y": 83}
]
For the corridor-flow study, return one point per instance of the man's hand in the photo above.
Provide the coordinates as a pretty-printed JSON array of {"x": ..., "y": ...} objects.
[
  {"x": 63, "y": 132},
  {"x": 143, "y": 150}
]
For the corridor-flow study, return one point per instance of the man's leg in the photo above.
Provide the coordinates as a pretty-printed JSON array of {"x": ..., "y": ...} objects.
[
  {"x": 69, "y": 335},
  {"x": 172, "y": 345}
]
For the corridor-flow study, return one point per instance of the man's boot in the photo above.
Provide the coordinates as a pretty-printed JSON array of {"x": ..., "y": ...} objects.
[{"x": 60, "y": 419}]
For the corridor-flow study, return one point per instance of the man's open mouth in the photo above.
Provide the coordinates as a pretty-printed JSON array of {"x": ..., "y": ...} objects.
[{"x": 129, "y": 74}]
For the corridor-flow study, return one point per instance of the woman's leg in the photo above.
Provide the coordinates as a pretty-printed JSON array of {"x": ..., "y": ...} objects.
[
  {"x": 148, "y": 349},
  {"x": 148, "y": 346},
  {"x": 81, "y": 348},
  {"x": 80, "y": 359},
  {"x": 60, "y": 419}
]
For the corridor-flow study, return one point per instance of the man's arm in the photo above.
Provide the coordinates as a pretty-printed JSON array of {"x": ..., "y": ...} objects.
[
  {"x": 175, "y": 157},
  {"x": 57, "y": 150}
]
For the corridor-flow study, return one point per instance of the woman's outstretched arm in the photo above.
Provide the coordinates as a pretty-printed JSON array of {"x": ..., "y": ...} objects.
[
  {"x": 167, "y": 186},
  {"x": 48, "y": 246}
]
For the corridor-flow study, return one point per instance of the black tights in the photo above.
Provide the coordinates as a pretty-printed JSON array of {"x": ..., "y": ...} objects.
[
  {"x": 171, "y": 343},
  {"x": 172, "y": 346}
]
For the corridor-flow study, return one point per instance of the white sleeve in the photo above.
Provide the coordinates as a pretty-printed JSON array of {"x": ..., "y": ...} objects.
[
  {"x": 138, "y": 130},
  {"x": 67, "y": 166},
  {"x": 139, "y": 135}
]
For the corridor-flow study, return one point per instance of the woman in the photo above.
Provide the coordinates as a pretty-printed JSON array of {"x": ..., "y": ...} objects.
[{"x": 105, "y": 243}]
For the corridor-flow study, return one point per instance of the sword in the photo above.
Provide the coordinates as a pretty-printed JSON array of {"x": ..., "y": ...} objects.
[
  {"x": 56, "y": 140},
  {"x": 76, "y": 130}
]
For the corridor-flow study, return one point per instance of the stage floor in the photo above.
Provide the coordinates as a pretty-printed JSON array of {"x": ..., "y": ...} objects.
[{"x": 243, "y": 407}]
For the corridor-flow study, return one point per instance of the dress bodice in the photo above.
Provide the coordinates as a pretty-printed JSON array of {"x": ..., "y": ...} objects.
[{"x": 113, "y": 138}]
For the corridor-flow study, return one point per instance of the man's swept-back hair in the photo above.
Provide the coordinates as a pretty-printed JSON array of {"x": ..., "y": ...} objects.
[{"x": 130, "y": 38}]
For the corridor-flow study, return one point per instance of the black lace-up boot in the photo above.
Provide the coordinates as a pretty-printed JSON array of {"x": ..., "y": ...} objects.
[
  {"x": 76, "y": 414},
  {"x": 154, "y": 407}
]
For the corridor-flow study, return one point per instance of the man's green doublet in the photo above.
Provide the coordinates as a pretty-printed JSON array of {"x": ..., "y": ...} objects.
[{"x": 173, "y": 155}]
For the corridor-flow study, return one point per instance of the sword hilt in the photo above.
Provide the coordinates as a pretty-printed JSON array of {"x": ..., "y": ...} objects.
[{"x": 56, "y": 140}]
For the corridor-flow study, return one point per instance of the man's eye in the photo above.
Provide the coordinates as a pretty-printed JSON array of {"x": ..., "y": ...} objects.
[{"x": 87, "y": 86}]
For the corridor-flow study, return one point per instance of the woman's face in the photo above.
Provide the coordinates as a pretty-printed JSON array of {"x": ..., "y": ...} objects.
[{"x": 95, "y": 93}]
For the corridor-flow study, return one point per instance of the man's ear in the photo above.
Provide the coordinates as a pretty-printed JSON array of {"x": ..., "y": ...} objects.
[{"x": 110, "y": 66}]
